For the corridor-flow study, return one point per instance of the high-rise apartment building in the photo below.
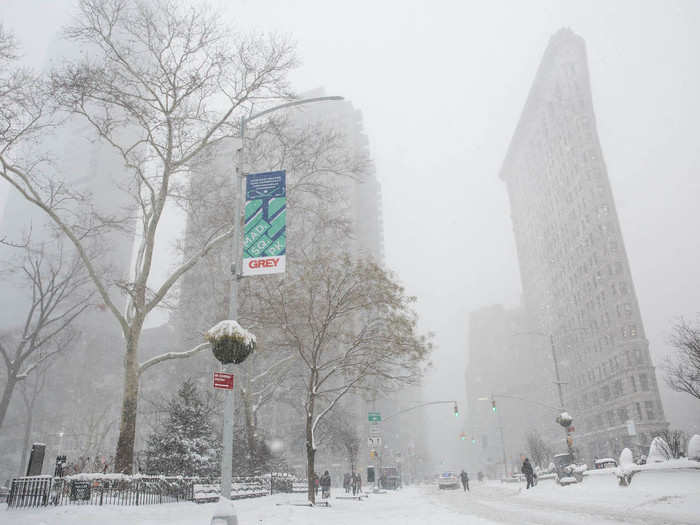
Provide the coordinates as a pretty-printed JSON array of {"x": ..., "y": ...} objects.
[{"x": 576, "y": 278}]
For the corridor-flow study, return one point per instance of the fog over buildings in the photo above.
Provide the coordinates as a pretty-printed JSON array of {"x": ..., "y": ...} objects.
[{"x": 440, "y": 90}]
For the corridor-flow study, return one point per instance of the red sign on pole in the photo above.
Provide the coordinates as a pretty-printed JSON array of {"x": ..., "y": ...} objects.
[{"x": 223, "y": 380}]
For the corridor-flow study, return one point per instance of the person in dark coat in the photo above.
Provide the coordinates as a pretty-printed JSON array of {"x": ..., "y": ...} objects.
[
  {"x": 356, "y": 484},
  {"x": 529, "y": 472},
  {"x": 346, "y": 482},
  {"x": 465, "y": 480},
  {"x": 325, "y": 482}
]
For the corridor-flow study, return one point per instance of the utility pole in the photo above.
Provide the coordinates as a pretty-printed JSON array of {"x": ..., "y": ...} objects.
[
  {"x": 503, "y": 441},
  {"x": 227, "y": 455},
  {"x": 561, "y": 395}
]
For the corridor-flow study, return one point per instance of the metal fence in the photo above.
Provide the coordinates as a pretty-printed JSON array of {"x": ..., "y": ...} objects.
[
  {"x": 36, "y": 491},
  {"x": 31, "y": 491}
]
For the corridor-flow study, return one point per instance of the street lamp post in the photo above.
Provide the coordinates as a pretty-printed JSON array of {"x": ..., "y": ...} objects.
[
  {"x": 227, "y": 454},
  {"x": 557, "y": 381}
]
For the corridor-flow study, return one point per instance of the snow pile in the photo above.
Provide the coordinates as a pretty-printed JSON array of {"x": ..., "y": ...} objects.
[
  {"x": 626, "y": 458},
  {"x": 658, "y": 451},
  {"x": 229, "y": 328},
  {"x": 694, "y": 448}
]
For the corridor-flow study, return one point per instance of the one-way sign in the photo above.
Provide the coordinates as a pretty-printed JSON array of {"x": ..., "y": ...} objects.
[
  {"x": 373, "y": 416},
  {"x": 375, "y": 441}
]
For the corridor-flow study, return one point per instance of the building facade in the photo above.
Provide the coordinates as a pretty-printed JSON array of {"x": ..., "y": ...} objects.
[{"x": 575, "y": 274}]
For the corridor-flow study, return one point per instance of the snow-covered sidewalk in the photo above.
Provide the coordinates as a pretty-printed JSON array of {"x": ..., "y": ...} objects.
[{"x": 405, "y": 507}]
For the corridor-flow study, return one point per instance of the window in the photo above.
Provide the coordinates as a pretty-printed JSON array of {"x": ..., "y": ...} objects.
[
  {"x": 622, "y": 415},
  {"x": 649, "y": 407},
  {"x": 634, "y": 384},
  {"x": 627, "y": 309},
  {"x": 599, "y": 420},
  {"x": 644, "y": 382},
  {"x": 639, "y": 410},
  {"x": 633, "y": 330},
  {"x": 617, "y": 388},
  {"x": 606, "y": 393},
  {"x": 611, "y": 417}
]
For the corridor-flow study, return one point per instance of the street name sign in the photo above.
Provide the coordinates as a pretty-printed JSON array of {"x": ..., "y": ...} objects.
[
  {"x": 223, "y": 380},
  {"x": 373, "y": 416},
  {"x": 265, "y": 231}
]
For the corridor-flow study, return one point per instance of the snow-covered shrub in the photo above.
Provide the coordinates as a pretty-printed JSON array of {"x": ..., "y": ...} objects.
[
  {"x": 694, "y": 448},
  {"x": 230, "y": 342},
  {"x": 659, "y": 451},
  {"x": 626, "y": 457}
]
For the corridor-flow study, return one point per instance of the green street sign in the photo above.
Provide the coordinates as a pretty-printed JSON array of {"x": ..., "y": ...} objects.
[{"x": 373, "y": 416}]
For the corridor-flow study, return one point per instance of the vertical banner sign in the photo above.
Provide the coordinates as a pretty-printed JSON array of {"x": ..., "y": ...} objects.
[{"x": 265, "y": 238}]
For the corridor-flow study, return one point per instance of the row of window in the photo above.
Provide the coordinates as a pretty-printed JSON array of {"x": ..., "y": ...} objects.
[
  {"x": 636, "y": 411},
  {"x": 613, "y": 366}
]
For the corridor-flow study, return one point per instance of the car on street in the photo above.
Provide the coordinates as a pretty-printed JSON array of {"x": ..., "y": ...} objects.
[{"x": 448, "y": 480}]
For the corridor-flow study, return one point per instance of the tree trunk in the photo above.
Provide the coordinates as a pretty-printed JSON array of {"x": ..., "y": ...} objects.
[
  {"x": 310, "y": 455},
  {"x": 7, "y": 395},
  {"x": 124, "y": 460}
]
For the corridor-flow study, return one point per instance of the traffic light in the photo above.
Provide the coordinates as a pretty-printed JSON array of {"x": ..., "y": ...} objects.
[
  {"x": 456, "y": 410},
  {"x": 493, "y": 405},
  {"x": 463, "y": 436},
  {"x": 473, "y": 440}
]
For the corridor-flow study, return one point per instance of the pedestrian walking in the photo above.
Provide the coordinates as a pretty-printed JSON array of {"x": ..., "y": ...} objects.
[
  {"x": 529, "y": 473},
  {"x": 356, "y": 484},
  {"x": 465, "y": 480},
  {"x": 347, "y": 481},
  {"x": 325, "y": 482},
  {"x": 316, "y": 483}
]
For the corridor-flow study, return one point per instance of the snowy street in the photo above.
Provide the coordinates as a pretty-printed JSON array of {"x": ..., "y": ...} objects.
[{"x": 657, "y": 498}]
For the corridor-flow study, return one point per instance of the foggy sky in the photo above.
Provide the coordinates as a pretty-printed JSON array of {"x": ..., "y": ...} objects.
[{"x": 441, "y": 86}]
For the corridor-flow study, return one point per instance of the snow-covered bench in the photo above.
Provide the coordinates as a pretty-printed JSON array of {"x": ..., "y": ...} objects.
[{"x": 239, "y": 490}]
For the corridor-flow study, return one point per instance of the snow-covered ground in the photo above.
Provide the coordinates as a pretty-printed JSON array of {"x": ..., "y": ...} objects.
[
  {"x": 655, "y": 497},
  {"x": 403, "y": 507}
]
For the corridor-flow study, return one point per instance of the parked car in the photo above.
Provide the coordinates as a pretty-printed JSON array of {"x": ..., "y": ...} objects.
[
  {"x": 605, "y": 463},
  {"x": 448, "y": 480}
]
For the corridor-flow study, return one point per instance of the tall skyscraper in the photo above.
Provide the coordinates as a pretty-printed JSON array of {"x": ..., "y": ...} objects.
[{"x": 575, "y": 274}]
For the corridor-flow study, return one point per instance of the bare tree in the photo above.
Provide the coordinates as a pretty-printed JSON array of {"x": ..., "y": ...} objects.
[
  {"x": 159, "y": 83},
  {"x": 683, "y": 368},
  {"x": 540, "y": 452},
  {"x": 351, "y": 328},
  {"x": 56, "y": 283},
  {"x": 339, "y": 432},
  {"x": 676, "y": 441}
]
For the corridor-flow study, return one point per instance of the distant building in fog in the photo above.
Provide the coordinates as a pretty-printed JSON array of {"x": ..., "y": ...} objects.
[
  {"x": 575, "y": 274},
  {"x": 506, "y": 364}
]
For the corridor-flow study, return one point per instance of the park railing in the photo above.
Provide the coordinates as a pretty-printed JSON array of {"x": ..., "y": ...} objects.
[{"x": 119, "y": 489}]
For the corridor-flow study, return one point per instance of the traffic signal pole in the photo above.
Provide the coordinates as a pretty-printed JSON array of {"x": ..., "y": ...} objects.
[{"x": 503, "y": 441}]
